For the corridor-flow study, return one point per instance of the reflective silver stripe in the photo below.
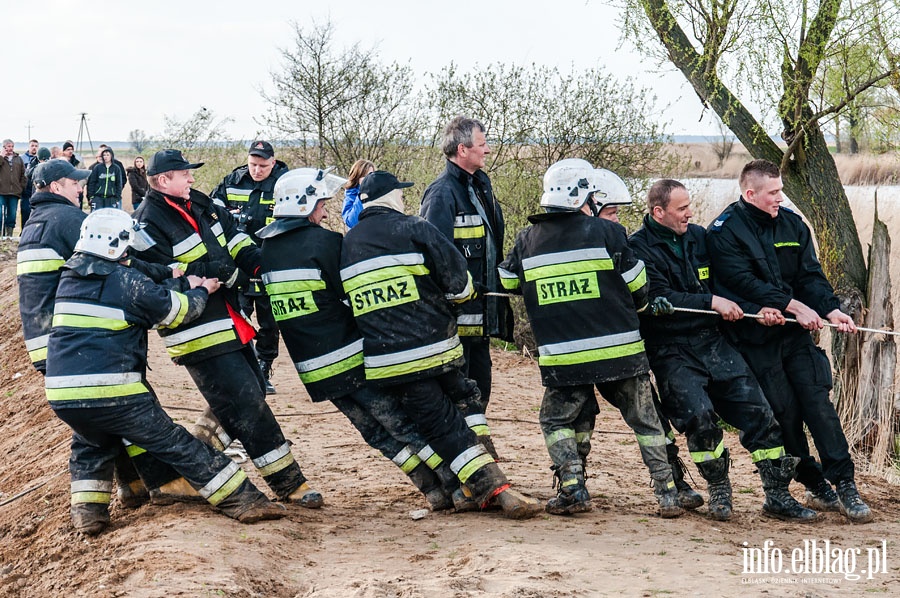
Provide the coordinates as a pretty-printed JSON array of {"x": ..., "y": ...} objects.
[
  {"x": 470, "y": 319},
  {"x": 235, "y": 191},
  {"x": 476, "y": 419},
  {"x": 272, "y": 456},
  {"x": 634, "y": 272},
  {"x": 126, "y": 442},
  {"x": 506, "y": 273},
  {"x": 38, "y": 342},
  {"x": 465, "y": 292},
  {"x": 237, "y": 240},
  {"x": 426, "y": 453},
  {"x": 173, "y": 311},
  {"x": 469, "y": 220},
  {"x": 378, "y": 361},
  {"x": 329, "y": 358},
  {"x": 33, "y": 255},
  {"x": 192, "y": 241},
  {"x": 92, "y": 486},
  {"x": 91, "y": 380},
  {"x": 403, "y": 456},
  {"x": 83, "y": 309},
  {"x": 385, "y": 261},
  {"x": 198, "y": 332},
  {"x": 292, "y": 275},
  {"x": 564, "y": 257},
  {"x": 466, "y": 456},
  {"x": 218, "y": 202},
  {"x": 587, "y": 344},
  {"x": 217, "y": 229},
  {"x": 219, "y": 480}
]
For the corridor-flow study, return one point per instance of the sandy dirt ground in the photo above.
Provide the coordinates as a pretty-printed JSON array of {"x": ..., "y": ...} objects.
[{"x": 364, "y": 543}]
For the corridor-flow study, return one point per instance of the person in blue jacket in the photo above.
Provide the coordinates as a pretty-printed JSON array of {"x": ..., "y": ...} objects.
[{"x": 352, "y": 204}]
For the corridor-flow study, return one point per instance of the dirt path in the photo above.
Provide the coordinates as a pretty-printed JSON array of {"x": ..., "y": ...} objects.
[{"x": 363, "y": 542}]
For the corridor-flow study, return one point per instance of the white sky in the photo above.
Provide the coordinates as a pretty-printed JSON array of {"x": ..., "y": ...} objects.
[{"x": 128, "y": 64}]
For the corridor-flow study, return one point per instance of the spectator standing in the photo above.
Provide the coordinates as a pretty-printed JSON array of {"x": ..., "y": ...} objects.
[
  {"x": 352, "y": 204},
  {"x": 43, "y": 155},
  {"x": 12, "y": 183},
  {"x": 68, "y": 153},
  {"x": 104, "y": 186},
  {"x": 137, "y": 180}
]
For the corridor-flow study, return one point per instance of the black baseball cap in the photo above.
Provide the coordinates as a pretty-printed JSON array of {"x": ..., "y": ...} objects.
[
  {"x": 68, "y": 145},
  {"x": 169, "y": 159},
  {"x": 263, "y": 149},
  {"x": 378, "y": 184},
  {"x": 59, "y": 168}
]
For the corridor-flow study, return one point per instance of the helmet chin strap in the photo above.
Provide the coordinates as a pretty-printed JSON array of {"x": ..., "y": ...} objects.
[{"x": 595, "y": 209}]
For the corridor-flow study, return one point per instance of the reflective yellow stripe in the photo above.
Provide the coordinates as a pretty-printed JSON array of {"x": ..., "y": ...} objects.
[
  {"x": 183, "y": 304},
  {"x": 134, "y": 451},
  {"x": 228, "y": 488},
  {"x": 99, "y": 498},
  {"x": 554, "y": 437},
  {"x": 592, "y": 355},
  {"x": 510, "y": 284},
  {"x": 76, "y": 321},
  {"x": 238, "y": 198},
  {"x": 787, "y": 244},
  {"x": 277, "y": 465},
  {"x": 413, "y": 366},
  {"x": 238, "y": 242},
  {"x": 382, "y": 274},
  {"x": 38, "y": 354},
  {"x": 332, "y": 370},
  {"x": 651, "y": 439},
  {"x": 638, "y": 282},
  {"x": 578, "y": 267},
  {"x": 199, "y": 344},
  {"x": 192, "y": 253},
  {"x": 470, "y": 331},
  {"x": 468, "y": 232},
  {"x": 294, "y": 286},
  {"x": 38, "y": 266},
  {"x": 472, "y": 466},
  {"x": 704, "y": 456},
  {"x": 80, "y": 393},
  {"x": 582, "y": 437},
  {"x": 406, "y": 460},
  {"x": 431, "y": 458},
  {"x": 767, "y": 454}
]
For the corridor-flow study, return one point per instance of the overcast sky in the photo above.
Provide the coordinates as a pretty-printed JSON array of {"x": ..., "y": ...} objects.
[{"x": 128, "y": 64}]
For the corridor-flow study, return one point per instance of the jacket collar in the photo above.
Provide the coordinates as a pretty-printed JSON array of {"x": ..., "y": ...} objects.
[
  {"x": 47, "y": 197},
  {"x": 755, "y": 214},
  {"x": 464, "y": 177}
]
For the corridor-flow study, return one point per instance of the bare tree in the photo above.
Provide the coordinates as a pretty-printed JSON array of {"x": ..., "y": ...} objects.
[{"x": 138, "y": 140}]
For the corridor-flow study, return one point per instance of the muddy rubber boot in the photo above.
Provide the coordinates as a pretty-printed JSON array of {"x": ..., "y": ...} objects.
[
  {"x": 90, "y": 518},
  {"x": 715, "y": 473},
  {"x": 133, "y": 494},
  {"x": 667, "y": 496},
  {"x": 266, "y": 367},
  {"x": 688, "y": 498},
  {"x": 572, "y": 496},
  {"x": 429, "y": 484},
  {"x": 460, "y": 495},
  {"x": 306, "y": 497},
  {"x": 822, "y": 497},
  {"x": 851, "y": 504},
  {"x": 178, "y": 490},
  {"x": 516, "y": 505},
  {"x": 779, "y": 504},
  {"x": 248, "y": 505},
  {"x": 209, "y": 431}
]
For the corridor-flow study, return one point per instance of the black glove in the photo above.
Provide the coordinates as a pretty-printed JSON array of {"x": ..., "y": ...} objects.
[{"x": 660, "y": 306}]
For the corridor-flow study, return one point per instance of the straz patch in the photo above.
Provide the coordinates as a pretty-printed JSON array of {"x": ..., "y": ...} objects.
[
  {"x": 387, "y": 293},
  {"x": 572, "y": 287},
  {"x": 703, "y": 273},
  {"x": 293, "y": 305}
]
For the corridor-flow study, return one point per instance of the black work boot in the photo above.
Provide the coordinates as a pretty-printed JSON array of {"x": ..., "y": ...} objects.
[
  {"x": 572, "y": 496},
  {"x": 688, "y": 498},
  {"x": 460, "y": 495},
  {"x": 667, "y": 496},
  {"x": 266, "y": 367},
  {"x": 248, "y": 505},
  {"x": 90, "y": 518},
  {"x": 776, "y": 477},
  {"x": 851, "y": 505},
  {"x": 822, "y": 497},
  {"x": 428, "y": 484},
  {"x": 715, "y": 473}
]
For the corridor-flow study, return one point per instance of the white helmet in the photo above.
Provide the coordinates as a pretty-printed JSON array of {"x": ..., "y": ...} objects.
[
  {"x": 567, "y": 184},
  {"x": 298, "y": 191},
  {"x": 611, "y": 190},
  {"x": 108, "y": 233}
]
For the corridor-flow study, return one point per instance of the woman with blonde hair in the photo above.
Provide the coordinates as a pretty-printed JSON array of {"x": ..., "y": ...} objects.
[{"x": 352, "y": 204}]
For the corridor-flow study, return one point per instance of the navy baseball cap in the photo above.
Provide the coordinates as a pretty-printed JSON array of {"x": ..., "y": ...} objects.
[
  {"x": 378, "y": 184},
  {"x": 262, "y": 149},
  {"x": 53, "y": 170},
  {"x": 169, "y": 159}
]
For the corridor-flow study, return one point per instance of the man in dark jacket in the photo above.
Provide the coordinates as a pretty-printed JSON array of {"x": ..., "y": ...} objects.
[
  {"x": 461, "y": 204},
  {"x": 582, "y": 288},
  {"x": 763, "y": 258},
  {"x": 12, "y": 183},
  {"x": 401, "y": 277},
  {"x": 193, "y": 233},
  {"x": 700, "y": 376},
  {"x": 104, "y": 186},
  {"x": 247, "y": 193}
]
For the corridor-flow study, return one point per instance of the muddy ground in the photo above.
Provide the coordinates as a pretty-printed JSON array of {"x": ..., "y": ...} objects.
[{"x": 363, "y": 542}]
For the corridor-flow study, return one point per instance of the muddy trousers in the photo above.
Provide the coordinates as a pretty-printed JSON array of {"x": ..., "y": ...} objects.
[
  {"x": 444, "y": 428},
  {"x": 97, "y": 440},
  {"x": 706, "y": 379},
  {"x": 477, "y": 356},
  {"x": 634, "y": 400},
  {"x": 266, "y": 341},
  {"x": 381, "y": 421},
  {"x": 234, "y": 389},
  {"x": 795, "y": 377}
]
